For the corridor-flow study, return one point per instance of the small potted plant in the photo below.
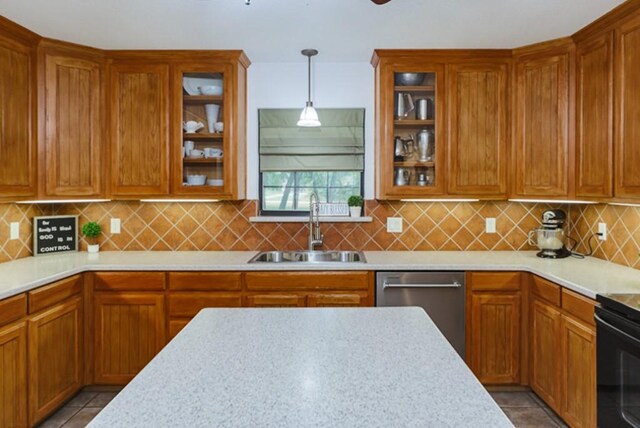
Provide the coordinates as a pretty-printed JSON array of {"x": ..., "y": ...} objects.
[
  {"x": 355, "y": 205},
  {"x": 91, "y": 231}
]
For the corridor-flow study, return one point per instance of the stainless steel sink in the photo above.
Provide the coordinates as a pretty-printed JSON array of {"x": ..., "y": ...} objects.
[{"x": 309, "y": 257}]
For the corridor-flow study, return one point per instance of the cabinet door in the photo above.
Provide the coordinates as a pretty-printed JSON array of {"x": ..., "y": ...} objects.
[
  {"x": 545, "y": 352},
  {"x": 275, "y": 301},
  {"x": 410, "y": 139},
  {"x": 594, "y": 116},
  {"x": 478, "y": 129},
  {"x": 495, "y": 337},
  {"x": 542, "y": 126},
  {"x": 130, "y": 329},
  {"x": 13, "y": 376},
  {"x": 336, "y": 300},
  {"x": 55, "y": 357},
  {"x": 578, "y": 385},
  {"x": 17, "y": 135},
  {"x": 627, "y": 79},
  {"x": 139, "y": 129},
  {"x": 73, "y": 118}
]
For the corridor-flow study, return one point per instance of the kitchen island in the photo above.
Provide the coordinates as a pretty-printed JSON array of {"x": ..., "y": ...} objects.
[{"x": 305, "y": 367}]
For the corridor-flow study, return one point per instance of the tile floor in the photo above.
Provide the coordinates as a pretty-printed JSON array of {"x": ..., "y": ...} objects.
[{"x": 524, "y": 409}]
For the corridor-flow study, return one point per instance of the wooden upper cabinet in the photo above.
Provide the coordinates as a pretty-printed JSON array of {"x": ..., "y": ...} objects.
[
  {"x": 139, "y": 104},
  {"x": 478, "y": 103},
  {"x": 594, "y": 117},
  {"x": 17, "y": 112},
  {"x": 416, "y": 169},
  {"x": 73, "y": 119},
  {"x": 225, "y": 174},
  {"x": 627, "y": 134},
  {"x": 542, "y": 142}
]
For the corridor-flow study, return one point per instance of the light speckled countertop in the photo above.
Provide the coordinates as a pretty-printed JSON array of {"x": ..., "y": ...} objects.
[
  {"x": 366, "y": 367},
  {"x": 588, "y": 276}
]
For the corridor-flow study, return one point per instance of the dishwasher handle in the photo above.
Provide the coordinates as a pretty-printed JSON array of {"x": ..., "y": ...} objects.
[{"x": 454, "y": 284}]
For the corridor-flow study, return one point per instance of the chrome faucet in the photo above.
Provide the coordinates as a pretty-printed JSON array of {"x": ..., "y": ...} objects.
[{"x": 315, "y": 236}]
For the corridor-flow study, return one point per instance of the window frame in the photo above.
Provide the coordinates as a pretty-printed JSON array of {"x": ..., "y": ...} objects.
[{"x": 287, "y": 213}]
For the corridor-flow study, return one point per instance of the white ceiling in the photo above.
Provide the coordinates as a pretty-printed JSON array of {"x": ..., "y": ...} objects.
[{"x": 276, "y": 30}]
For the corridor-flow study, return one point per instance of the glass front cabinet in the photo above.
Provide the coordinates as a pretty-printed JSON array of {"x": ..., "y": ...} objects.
[
  {"x": 210, "y": 127},
  {"x": 409, "y": 127}
]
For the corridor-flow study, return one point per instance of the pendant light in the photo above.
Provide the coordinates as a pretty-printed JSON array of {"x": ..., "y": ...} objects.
[{"x": 309, "y": 115}]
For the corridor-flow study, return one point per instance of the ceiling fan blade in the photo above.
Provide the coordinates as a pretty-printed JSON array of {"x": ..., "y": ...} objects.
[{"x": 380, "y": 1}]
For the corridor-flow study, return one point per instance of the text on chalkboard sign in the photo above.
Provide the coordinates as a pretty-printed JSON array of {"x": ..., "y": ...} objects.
[{"x": 55, "y": 234}]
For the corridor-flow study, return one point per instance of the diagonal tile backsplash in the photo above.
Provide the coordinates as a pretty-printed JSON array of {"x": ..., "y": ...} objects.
[
  {"x": 427, "y": 226},
  {"x": 226, "y": 226}
]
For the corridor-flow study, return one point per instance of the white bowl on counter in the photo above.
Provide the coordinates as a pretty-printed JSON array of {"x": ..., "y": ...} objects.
[{"x": 196, "y": 180}]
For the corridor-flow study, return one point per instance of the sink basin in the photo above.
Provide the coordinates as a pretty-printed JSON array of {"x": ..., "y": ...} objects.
[{"x": 309, "y": 257}]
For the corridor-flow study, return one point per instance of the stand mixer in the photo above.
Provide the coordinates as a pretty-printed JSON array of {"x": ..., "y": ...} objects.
[{"x": 550, "y": 238}]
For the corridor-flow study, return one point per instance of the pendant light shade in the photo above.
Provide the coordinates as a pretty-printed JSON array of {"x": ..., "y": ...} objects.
[{"x": 309, "y": 115}]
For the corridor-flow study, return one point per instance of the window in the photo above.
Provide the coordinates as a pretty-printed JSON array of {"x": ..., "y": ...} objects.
[{"x": 296, "y": 161}]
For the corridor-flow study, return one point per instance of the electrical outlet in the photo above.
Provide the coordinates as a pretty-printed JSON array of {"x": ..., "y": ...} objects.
[
  {"x": 602, "y": 231},
  {"x": 490, "y": 225},
  {"x": 15, "y": 230},
  {"x": 394, "y": 224},
  {"x": 115, "y": 226}
]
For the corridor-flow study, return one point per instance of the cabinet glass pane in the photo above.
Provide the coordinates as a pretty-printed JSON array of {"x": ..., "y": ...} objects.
[
  {"x": 203, "y": 129},
  {"x": 414, "y": 141}
]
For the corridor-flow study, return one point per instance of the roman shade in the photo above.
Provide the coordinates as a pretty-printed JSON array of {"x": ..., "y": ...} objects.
[{"x": 338, "y": 145}]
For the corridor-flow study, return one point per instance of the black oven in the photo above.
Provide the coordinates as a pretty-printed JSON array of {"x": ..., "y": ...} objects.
[{"x": 618, "y": 361}]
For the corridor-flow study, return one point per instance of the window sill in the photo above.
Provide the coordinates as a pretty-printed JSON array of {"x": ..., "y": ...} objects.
[{"x": 286, "y": 219}]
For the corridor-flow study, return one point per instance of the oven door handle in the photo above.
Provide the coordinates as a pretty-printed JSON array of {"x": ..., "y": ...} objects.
[{"x": 617, "y": 331}]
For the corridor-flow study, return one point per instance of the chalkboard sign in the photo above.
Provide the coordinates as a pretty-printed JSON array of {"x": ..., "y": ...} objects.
[{"x": 55, "y": 234}]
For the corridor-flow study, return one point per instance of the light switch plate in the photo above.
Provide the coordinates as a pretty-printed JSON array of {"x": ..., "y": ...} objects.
[
  {"x": 490, "y": 225},
  {"x": 115, "y": 226},
  {"x": 15, "y": 230},
  {"x": 394, "y": 224}
]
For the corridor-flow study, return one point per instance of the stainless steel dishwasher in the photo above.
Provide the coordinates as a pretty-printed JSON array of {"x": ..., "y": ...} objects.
[{"x": 440, "y": 294}]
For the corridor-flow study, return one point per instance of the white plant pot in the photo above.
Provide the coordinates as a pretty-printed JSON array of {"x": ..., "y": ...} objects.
[
  {"x": 93, "y": 248},
  {"x": 355, "y": 211}
]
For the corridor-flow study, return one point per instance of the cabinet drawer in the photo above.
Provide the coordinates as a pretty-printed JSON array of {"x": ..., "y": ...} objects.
[
  {"x": 51, "y": 294},
  {"x": 13, "y": 308},
  {"x": 307, "y": 281},
  {"x": 205, "y": 281},
  {"x": 495, "y": 281},
  {"x": 175, "y": 326},
  {"x": 335, "y": 300},
  {"x": 123, "y": 281},
  {"x": 276, "y": 301},
  {"x": 579, "y": 306},
  {"x": 189, "y": 304},
  {"x": 546, "y": 290}
]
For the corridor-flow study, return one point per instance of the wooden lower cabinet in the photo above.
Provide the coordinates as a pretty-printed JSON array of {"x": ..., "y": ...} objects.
[
  {"x": 563, "y": 352},
  {"x": 13, "y": 375},
  {"x": 276, "y": 300},
  {"x": 55, "y": 357},
  {"x": 578, "y": 381},
  {"x": 495, "y": 337},
  {"x": 545, "y": 352},
  {"x": 130, "y": 329},
  {"x": 336, "y": 300}
]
